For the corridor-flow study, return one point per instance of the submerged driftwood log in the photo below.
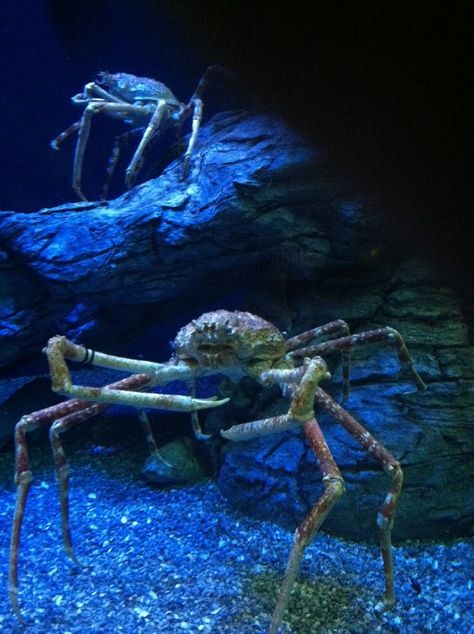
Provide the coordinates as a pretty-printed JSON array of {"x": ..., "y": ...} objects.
[
  {"x": 257, "y": 193},
  {"x": 261, "y": 214}
]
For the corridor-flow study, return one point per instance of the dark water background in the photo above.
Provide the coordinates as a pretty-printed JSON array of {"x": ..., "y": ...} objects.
[{"x": 380, "y": 86}]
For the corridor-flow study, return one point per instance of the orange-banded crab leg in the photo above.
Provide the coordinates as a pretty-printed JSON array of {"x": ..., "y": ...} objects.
[
  {"x": 23, "y": 474},
  {"x": 338, "y": 327},
  {"x": 384, "y": 335},
  {"x": 66, "y": 423},
  {"x": 203, "y": 82},
  {"x": 392, "y": 467},
  {"x": 199, "y": 91},
  {"x": 59, "y": 426},
  {"x": 56, "y": 143},
  {"x": 304, "y": 534},
  {"x": 302, "y": 384},
  {"x": 59, "y": 349},
  {"x": 301, "y": 413},
  {"x": 195, "y": 106},
  {"x": 23, "y": 479}
]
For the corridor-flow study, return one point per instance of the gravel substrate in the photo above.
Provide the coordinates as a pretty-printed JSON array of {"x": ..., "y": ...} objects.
[{"x": 179, "y": 560}]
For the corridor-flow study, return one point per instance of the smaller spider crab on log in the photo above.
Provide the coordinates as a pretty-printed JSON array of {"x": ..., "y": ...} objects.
[
  {"x": 146, "y": 104},
  {"x": 233, "y": 344}
]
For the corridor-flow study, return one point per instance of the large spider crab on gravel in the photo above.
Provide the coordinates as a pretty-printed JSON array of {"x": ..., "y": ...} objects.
[
  {"x": 234, "y": 344},
  {"x": 144, "y": 103}
]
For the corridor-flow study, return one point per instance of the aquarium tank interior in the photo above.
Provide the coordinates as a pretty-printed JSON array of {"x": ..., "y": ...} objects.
[{"x": 236, "y": 318}]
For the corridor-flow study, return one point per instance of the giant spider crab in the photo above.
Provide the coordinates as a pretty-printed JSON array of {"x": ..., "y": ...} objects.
[
  {"x": 144, "y": 103},
  {"x": 234, "y": 344}
]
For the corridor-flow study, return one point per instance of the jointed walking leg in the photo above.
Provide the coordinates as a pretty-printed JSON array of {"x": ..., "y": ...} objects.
[
  {"x": 334, "y": 488},
  {"x": 392, "y": 467}
]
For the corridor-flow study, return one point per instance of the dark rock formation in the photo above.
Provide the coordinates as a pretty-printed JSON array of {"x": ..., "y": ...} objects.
[
  {"x": 256, "y": 191},
  {"x": 261, "y": 214},
  {"x": 430, "y": 432}
]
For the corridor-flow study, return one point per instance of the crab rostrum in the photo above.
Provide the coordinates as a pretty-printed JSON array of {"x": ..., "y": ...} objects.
[
  {"x": 234, "y": 344},
  {"x": 146, "y": 104}
]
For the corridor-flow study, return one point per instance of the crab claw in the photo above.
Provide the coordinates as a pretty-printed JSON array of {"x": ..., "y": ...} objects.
[
  {"x": 170, "y": 402},
  {"x": 204, "y": 403}
]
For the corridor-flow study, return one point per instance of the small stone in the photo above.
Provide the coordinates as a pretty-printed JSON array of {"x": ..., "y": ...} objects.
[{"x": 142, "y": 614}]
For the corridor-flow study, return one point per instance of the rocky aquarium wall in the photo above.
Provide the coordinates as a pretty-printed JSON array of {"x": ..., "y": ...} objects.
[{"x": 261, "y": 224}]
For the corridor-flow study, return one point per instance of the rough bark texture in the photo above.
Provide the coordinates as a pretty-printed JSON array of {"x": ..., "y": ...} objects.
[
  {"x": 257, "y": 193},
  {"x": 261, "y": 215}
]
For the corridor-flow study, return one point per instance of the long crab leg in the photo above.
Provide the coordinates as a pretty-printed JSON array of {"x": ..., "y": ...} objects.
[
  {"x": 66, "y": 423},
  {"x": 146, "y": 426},
  {"x": 202, "y": 84},
  {"x": 59, "y": 426},
  {"x": 392, "y": 467},
  {"x": 23, "y": 479},
  {"x": 120, "y": 142},
  {"x": 338, "y": 327},
  {"x": 196, "y": 124},
  {"x": 93, "y": 108},
  {"x": 58, "y": 141},
  {"x": 59, "y": 349},
  {"x": 301, "y": 383},
  {"x": 195, "y": 105},
  {"x": 23, "y": 474},
  {"x": 90, "y": 90},
  {"x": 199, "y": 91},
  {"x": 195, "y": 423},
  {"x": 334, "y": 488},
  {"x": 137, "y": 159},
  {"x": 387, "y": 334}
]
